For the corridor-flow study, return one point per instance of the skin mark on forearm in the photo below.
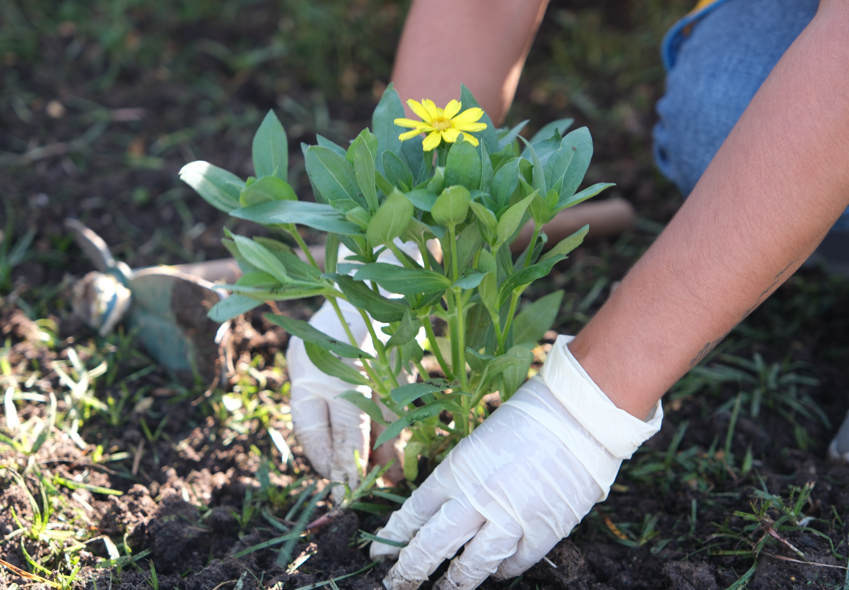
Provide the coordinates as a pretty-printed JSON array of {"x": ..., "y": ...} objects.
[
  {"x": 706, "y": 350},
  {"x": 779, "y": 278},
  {"x": 709, "y": 346}
]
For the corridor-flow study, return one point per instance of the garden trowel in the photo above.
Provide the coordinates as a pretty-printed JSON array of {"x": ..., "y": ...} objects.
[{"x": 164, "y": 307}]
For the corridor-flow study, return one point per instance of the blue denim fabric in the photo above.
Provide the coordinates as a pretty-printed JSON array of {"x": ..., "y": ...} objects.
[{"x": 712, "y": 75}]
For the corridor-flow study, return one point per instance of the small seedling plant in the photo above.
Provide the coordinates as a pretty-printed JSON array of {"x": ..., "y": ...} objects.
[{"x": 465, "y": 185}]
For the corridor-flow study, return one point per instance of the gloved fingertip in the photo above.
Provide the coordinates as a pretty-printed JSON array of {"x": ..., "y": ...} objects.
[
  {"x": 379, "y": 551},
  {"x": 395, "y": 581}
]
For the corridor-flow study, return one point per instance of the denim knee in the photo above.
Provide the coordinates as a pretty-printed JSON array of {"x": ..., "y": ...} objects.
[{"x": 712, "y": 75}]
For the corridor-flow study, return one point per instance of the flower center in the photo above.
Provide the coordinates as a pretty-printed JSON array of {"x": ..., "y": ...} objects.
[{"x": 441, "y": 124}]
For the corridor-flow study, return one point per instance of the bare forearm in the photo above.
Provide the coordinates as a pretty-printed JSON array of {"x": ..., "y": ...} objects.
[
  {"x": 772, "y": 192},
  {"x": 480, "y": 43}
]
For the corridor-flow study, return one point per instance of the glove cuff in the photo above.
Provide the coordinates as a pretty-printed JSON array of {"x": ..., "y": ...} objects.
[{"x": 617, "y": 430}]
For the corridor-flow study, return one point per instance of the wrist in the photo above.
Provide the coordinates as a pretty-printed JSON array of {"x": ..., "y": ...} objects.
[{"x": 620, "y": 432}]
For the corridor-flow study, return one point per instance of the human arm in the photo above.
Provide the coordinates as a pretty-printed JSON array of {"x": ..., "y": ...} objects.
[
  {"x": 480, "y": 43},
  {"x": 773, "y": 190}
]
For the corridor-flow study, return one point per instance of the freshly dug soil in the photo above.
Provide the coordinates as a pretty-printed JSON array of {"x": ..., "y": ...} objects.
[{"x": 182, "y": 495}]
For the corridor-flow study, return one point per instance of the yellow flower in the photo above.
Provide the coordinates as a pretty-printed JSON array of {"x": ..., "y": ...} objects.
[{"x": 441, "y": 124}]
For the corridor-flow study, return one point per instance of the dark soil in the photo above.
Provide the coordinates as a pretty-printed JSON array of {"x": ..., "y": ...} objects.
[{"x": 183, "y": 494}]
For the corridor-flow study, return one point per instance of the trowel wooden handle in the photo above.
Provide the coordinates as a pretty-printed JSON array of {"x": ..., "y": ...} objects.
[{"x": 606, "y": 218}]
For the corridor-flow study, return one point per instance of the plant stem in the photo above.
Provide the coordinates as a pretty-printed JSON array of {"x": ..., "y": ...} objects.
[
  {"x": 399, "y": 255},
  {"x": 435, "y": 348},
  {"x": 294, "y": 233},
  {"x": 366, "y": 366},
  {"x": 381, "y": 351},
  {"x": 532, "y": 245},
  {"x": 514, "y": 300}
]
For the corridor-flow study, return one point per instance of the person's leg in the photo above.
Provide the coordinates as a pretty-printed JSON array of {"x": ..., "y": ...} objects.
[
  {"x": 716, "y": 71},
  {"x": 712, "y": 74}
]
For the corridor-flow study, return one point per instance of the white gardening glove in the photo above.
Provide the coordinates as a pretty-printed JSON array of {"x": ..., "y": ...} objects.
[
  {"x": 329, "y": 428},
  {"x": 518, "y": 484}
]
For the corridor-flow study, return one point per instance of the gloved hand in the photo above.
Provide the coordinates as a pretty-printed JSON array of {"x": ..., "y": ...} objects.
[
  {"x": 518, "y": 484},
  {"x": 329, "y": 428}
]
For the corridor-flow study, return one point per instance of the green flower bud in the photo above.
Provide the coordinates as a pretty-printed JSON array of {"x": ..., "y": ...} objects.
[{"x": 452, "y": 206}]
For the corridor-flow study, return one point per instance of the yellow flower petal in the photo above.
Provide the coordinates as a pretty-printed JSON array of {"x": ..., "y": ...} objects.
[
  {"x": 432, "y": 109},
  {"x": 431, "y": 141},
  {"x": 408, "y": 123},
  {"x": 471, "y": 139},
  {"x": 473, "y": 127},
  {"x": 468, "y": 116},
  {"x": 450, "y": 135},
  {"x": 452, "y": 108},
  {"x": 420, "y": 110},
  {"x": 410, "y": 134}
]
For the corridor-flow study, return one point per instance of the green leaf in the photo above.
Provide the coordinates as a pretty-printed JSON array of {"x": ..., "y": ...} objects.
[
  {"x": 418, "y": 232},
  {"x": 307, "y": 333},
  {"x": 359, "y": 295},
  {"x": 422, "y": 199},
  {"x": 416, "y": 415},
  {"x": 383, "y": 124},
  {"x": 270, "y": 149},
  {"x": 469, "y": 279},
  {"x": 517, "y": 356},
  {"x": 488, "y": 135},
  {"x": 407, "y": 394},
  {"x": 324, "y": 142},
  {"x": 405, "y": 332},
  {"x": 477, "y": 361},
  {"x": 287, "y": 293},
  {"x": 396, "y": 171},
  {"x": 364, "y": 172},
  {"x": 332, "y": 176},
  {"x": 411, "y": 467},
  {"x": 267, "y": 188},
  {"x": 330, "y": 365},
  {"x": 315, "y": 215},
  {"x": 437, "y": 182},
  {"x": 469, "y": 243},
  {"x": 367, "y": 405},
  {"x": 219, "y": 188},
  {"x": 232, "y": 306},
  {"x": 412, "y": 351},
  {"x": 488, "y": 224},
  {"x": 256, "y": 279},
  {"x": 391, "y": 219},
  {"x": 582, "y": 196},
  {"x": 486, "y": 169},
  {"x": 536, "y": 319},
  {"x": 567, "y": 244},
  {"x": 539, "y": 171},
  {"x": 524, "y": 277},
  {"x": 508, "y": 138},
  {"x": 464, "y": 166},
  {"x": 539, "y": 210},
  {"x": 560, "y": 125},
  {"x": 517, "y": 373},
  {"x": 405, "y": 281},
  {"x": 511, "y": 219},
  {"x": 359, "y": 216},
  {"x": 262, "y": 258},
  {"x": 488, "y": 289},
  {"x": 504, "y": 182},
  {"x": 573, "y": 159}
]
